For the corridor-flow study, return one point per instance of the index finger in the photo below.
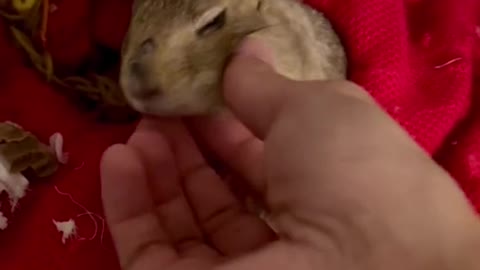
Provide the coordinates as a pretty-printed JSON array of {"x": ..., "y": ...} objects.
[
  {"x": 137, "y": 233},
  {"x": 217, "y": 210},
  {"x": 234, "y": 145}
]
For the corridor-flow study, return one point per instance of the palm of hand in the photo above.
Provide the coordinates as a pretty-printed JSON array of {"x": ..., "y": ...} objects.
[{"x": 167, "y": 209}]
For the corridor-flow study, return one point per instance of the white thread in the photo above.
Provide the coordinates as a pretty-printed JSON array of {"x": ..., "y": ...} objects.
[
  {"x": 89, "y": 213},
  {"x": 449, "y": 63}
]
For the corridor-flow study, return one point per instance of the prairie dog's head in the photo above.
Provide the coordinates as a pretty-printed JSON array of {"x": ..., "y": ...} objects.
[{"x": 175, "y": 51}]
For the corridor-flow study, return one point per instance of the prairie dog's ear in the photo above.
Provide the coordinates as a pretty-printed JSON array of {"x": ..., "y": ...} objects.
[{"x": 211, "y": 20}]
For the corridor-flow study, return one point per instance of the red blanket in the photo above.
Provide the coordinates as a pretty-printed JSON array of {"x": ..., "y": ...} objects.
[{"x": 419, "y": 58}]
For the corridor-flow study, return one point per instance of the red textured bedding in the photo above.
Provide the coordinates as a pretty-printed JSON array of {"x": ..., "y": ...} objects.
[{"x": 419, "y": 58}]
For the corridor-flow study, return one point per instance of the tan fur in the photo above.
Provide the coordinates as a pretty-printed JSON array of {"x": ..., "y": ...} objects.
[{"x": 185, "y": 69}]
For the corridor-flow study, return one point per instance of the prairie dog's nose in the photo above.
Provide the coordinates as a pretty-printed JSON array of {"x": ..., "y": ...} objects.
[
  {"x": 137, "y": 71},
  {"x": 137, "y": 68},
  {"x": 139, "y": 81}
]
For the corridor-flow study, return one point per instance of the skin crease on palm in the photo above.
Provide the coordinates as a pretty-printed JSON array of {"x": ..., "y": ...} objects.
[{"x": 345, "y": 185}]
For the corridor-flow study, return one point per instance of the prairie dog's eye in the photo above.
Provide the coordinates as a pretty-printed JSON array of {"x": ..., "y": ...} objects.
[
  {"x": 213, "y": 20},
  {"x": 259, "y": 5}
]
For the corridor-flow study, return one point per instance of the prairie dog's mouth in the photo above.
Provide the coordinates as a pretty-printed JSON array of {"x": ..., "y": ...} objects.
[
  {"x": 176, "y": 95},
  {"x": 163, "y": 106}
]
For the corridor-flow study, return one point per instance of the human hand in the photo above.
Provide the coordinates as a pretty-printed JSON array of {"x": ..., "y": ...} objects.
[{"x": 345, "y": 186}]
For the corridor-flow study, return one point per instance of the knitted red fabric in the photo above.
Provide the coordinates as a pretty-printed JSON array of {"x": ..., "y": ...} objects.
[
  {"x": 418, "y": 58},
  {"x": 69, "y": 38}
]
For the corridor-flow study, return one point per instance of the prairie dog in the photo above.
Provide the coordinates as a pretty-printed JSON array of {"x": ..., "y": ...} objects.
[{"x": 175, "y": 51}]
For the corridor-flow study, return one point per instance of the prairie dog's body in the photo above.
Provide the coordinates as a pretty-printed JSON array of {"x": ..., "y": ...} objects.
[
  {"x": 304, "y": 44},
  {"x": 176, "y": 50}
]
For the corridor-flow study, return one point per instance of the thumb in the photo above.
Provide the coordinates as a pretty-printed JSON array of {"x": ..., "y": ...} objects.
[{"x": 253, "y": 89}]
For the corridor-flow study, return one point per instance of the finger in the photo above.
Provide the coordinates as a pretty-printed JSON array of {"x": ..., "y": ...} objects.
[
  {"x": 137, "y": 234},
  {"x": 170, "y": 202},
  {"x": 233, "y": 144},
  {"x": 222, "y": 218},
  {"x": 252, "y": 88},
  {"x": 181, "y": 145}
]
